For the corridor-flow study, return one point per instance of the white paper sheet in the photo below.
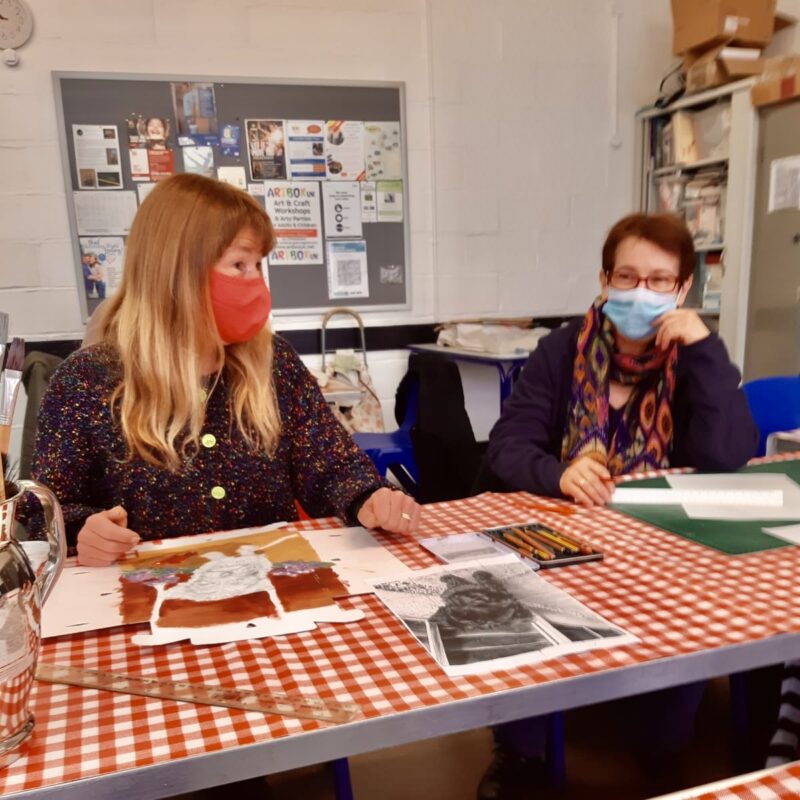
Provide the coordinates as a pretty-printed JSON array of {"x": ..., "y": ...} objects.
[
  {"x": 770, "y": 498},
  {"x": 789, "y": 533},
  {"x": 784, "y": 184},
  {"x": 341, "y": 201},
  {"x": 235, "y": 176},
  {"x": 783, "y": 441},
  {"x": 83, "y": 599},
  {"x": 790, "y": 510},
  {"x": 144, "y": 189},
  {"x": 104, "y": 213}
]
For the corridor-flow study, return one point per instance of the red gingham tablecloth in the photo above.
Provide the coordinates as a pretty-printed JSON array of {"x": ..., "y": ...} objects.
[
  {"x": 676, "y": 596},
  {"x": 780, "y": 783}
]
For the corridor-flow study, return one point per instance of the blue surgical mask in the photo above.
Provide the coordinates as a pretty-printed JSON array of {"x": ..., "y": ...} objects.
[{"x": 632, "y": 311}]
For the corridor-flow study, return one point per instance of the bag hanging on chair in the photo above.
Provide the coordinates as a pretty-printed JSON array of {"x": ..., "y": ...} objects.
[{"x": 346, "y": 384}]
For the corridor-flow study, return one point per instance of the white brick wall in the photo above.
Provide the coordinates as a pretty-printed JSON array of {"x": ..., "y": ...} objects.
[
  {"x": 511, "y": 187},
  {"x": 527, "y": 179}
]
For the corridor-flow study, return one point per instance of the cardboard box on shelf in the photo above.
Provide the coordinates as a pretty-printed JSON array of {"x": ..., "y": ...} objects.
[
  {"x": 684, "y": 140},
  {"x": 704, "y": 23},
  {"x": 719, "y": 65},
  {"x": 780, "y": 80},
  {"x": 783, "y": 21}
]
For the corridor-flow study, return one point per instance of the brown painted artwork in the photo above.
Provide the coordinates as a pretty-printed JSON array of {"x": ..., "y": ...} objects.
[
  {"x": 196, "y": 613},
  {"x": 301, "y": 581},
  {"x": 139, "y": 597},
  {"x": 311, "y": 589},
  {"x": 137, "y": 601}
]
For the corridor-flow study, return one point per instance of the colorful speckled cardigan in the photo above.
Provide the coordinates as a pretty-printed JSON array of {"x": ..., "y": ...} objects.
[{"x": 80, "y": 455}]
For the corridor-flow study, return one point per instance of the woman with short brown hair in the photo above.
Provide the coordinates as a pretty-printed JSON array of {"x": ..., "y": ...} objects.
[{"x": 638, "y": 383}]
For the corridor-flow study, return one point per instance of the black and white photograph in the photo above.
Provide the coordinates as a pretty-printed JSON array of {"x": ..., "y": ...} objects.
[{"x": 493, "y": 614}]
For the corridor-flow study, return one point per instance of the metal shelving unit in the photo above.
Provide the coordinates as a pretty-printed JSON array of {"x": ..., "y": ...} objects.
[{"x": 740, "y": 192}]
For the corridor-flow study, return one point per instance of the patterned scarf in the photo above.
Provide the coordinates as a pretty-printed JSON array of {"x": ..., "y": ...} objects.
[{"x": 643, "y": 438}]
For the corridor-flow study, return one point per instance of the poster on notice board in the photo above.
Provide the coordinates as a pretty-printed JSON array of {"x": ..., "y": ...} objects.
[
  {"x": 97, "y": 159},
  {"x": 294, "y": 208},
  {"x": 347, "y": 270}
]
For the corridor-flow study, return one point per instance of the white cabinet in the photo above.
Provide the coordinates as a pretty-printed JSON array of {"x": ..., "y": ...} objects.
[{"x": 715, "y": 133}]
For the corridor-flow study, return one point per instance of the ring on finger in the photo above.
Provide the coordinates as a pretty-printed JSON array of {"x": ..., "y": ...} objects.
[{"x": 406, "y": 516}]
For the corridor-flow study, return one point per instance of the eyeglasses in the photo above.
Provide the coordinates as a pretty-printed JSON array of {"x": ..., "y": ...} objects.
[{"x": 625, "y": 279}]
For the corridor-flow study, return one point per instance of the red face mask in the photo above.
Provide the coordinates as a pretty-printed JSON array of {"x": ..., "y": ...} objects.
[{"x": 241, "y": 306}]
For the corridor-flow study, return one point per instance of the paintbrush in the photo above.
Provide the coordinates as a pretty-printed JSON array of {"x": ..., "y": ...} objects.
[
  {"x": 9, "y": 388},
  {"x": 8, "y": 479},
  {"x": 3, "y": 336}
]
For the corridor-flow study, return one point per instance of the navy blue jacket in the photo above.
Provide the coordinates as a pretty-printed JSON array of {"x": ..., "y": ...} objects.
[{"x": 713, "y": 429}]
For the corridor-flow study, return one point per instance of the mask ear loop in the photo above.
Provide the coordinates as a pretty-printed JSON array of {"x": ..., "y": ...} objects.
[{"x": 678, "y": 301}]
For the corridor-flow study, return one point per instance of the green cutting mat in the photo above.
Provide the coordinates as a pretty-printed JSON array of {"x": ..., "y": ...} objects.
[{"x": 733, "y": 538}]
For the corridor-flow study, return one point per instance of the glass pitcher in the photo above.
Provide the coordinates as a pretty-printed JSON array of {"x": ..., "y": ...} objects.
[{"x": 23, "y": 590}]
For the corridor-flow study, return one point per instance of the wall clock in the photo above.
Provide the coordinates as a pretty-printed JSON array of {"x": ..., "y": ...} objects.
[{"x": 16, "y": 26}]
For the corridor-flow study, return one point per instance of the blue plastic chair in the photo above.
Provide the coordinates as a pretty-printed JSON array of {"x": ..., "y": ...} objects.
[
  {"x": 774, "y": 404},
  {"x": 394, "y": 450}
]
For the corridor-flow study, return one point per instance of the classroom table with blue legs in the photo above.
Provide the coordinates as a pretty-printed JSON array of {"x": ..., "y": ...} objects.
[
  {"x": 697, "y": 614},
  {"x": 508, "y": 365}
]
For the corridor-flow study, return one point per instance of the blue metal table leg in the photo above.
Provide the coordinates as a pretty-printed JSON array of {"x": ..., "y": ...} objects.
[
  {"x": 554, "y": 754},
  {"x": 507, "y": 379},
  {"x": 341, "y": 779},
  {"x": 506, "y": 383},
  {"x": 738, "y": 692}
]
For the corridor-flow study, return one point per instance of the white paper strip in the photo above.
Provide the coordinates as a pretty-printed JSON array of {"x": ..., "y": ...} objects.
[
  {"x": 789, "y": 533},
  {"x": 744, "y": 484},
  {"x": 771, "y": 498}
]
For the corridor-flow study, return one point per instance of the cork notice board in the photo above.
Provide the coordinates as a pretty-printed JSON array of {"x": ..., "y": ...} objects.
[{"x": 140, "y": 127}]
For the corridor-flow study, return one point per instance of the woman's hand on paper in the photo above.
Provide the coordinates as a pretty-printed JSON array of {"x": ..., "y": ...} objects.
[
  {"x": 587, "y": 482},
  {"x": 393, "y": 511},
  {"x": 105, "y": 537}
]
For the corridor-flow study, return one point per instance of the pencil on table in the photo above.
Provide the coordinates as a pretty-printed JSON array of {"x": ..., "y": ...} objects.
[
  {"x": 557, "y": 539},
  {"x": 537, "y": 541},
  {"x": 520, "y": 549},
  {"x": 537, "y": 551}
]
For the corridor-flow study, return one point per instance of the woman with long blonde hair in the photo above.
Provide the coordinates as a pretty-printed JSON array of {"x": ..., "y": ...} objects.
[{"x": 189, "y": 415}]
